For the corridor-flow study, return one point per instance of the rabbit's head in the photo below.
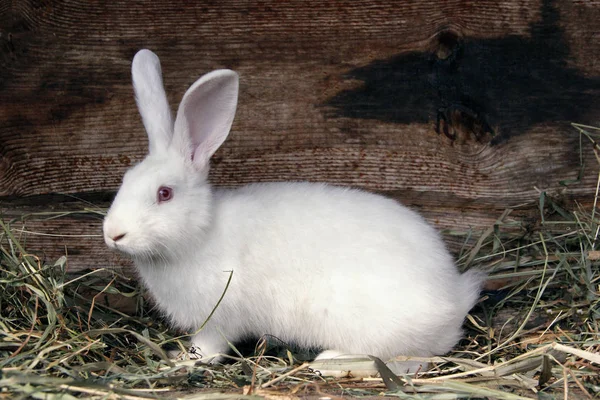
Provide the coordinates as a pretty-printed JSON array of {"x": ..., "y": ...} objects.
[{"x": 165, "y": 201}]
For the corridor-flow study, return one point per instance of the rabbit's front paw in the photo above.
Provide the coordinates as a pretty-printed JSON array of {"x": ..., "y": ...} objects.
[
  {"x": 207, "y": 349},
  {"x": 192, "y": 353}
]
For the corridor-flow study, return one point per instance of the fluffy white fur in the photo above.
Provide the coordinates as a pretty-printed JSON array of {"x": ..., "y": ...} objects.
[{"x": 317, "y": 265}]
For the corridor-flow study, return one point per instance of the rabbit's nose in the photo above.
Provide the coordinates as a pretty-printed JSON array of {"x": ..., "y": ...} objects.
[{"x": 118, "y": 237}]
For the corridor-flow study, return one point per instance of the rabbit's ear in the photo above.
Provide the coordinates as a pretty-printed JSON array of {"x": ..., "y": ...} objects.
[
  {"x": 152, "y": 100},
  {"x": 205, "y": 116}
]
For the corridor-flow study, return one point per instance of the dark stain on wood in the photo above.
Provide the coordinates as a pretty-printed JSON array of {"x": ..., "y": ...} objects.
[{"x": 476, "y": 89}]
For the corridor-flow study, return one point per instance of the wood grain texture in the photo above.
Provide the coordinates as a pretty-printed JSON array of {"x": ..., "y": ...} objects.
[
  {"x": 61, "y": 231},
  {"x": 458, "y": 108}
]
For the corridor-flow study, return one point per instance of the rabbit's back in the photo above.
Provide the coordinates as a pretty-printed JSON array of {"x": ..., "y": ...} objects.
[{"x": 330, "y": 265}]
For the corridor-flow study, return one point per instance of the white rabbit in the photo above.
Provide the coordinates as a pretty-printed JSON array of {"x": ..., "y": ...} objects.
[{"x": 321, "y": 266}]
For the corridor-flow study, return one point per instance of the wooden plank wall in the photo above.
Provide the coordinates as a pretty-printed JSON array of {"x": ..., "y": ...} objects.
[{"x": 460, "y": 109}]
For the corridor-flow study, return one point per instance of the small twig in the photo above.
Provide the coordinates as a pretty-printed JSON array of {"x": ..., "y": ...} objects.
[
  {"x": 595, "y": 358},
  {"x": 94, "y": 301},
  {"x": 283, "y": 376},
  {"x": 565, "y": 384},
  {"x": 71, "y": 355},
  {"x": 218, "y": 303},
  {"x": 594, "y": 209},
  {"x": 487, "y": 233},
  {"x": 79, "y": 277},
  {"x": 541, "y": 289},
  {"x": 35, "y": 311},
  {"x": 262, "y": 347},
  {"x": 577, "y": 381}
]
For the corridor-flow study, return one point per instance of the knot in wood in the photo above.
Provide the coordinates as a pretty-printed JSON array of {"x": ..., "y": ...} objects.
[{"x": 447, "y": 44}]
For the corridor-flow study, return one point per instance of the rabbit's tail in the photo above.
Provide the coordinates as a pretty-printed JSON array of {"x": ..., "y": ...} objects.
[{"x": 471, "y": 283}]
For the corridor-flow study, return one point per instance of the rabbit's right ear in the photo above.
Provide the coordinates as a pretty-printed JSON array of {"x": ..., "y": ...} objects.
[
  {"x": 152, "y": 100},
  {"x": 205, "y": 116}
]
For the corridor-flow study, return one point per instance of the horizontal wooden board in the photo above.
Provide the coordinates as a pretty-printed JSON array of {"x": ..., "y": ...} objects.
[
  {"x": 458, "y": 108},
  {"x": 63, "y": 231}
]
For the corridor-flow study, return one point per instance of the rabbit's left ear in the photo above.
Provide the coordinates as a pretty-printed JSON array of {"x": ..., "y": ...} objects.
[
  {"x": 152, "y": 100},
  {"x": 205, "y": 116}
]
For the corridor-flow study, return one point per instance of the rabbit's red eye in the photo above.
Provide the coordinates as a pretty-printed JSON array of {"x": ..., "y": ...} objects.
[{"x": 164, "y": 194}]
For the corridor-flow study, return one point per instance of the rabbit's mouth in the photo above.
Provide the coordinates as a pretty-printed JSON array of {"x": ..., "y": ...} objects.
[
  {"x": 136, "y": 246},
  {"x": 144, "y": 255},
  {"x": 119, "y": 247},
  {"x": 138, "y": 256},
  {"x": 121, "y": 244}
]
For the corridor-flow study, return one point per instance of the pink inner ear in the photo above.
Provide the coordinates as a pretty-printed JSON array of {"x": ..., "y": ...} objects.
[
  {"x": 205, "y": 116},
  {"x": 202, "y": 154}
]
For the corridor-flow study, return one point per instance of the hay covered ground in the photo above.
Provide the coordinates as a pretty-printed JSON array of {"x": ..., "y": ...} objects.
[{"x": 535, "y": 333}]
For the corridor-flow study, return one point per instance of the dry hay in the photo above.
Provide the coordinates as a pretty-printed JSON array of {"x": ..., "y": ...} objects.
[{"x": 534, "y": 335}]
